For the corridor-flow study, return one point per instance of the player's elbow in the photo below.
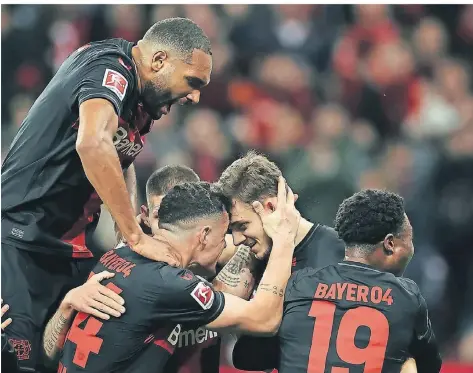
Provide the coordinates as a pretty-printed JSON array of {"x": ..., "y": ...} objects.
[
  {"x": 265, "y": 326},
  {"x": 87, "y": 145}
]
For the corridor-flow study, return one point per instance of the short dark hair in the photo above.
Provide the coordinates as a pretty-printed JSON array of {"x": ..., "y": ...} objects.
[
  {"x": 188, "y": 202},
  {"x": 179, "y": 34},
  {"x": 368, "y": 216},
  {"x": 251, "y": 178},
  {"x": 165, "y": 178}
]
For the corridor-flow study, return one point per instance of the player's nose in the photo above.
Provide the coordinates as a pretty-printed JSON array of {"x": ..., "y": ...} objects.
[
  {"x": 193, "y": 97},
  {"x": 238, "y": 238}
]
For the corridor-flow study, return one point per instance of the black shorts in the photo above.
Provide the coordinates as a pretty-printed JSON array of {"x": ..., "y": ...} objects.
[{"x": 33, "y": 285}]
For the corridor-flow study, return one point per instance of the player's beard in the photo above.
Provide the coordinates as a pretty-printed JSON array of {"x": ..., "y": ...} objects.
[{"x": 154, "y": 96}]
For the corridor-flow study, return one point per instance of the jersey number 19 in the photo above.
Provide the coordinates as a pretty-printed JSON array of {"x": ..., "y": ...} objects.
[{"x": 372, "y": 355}]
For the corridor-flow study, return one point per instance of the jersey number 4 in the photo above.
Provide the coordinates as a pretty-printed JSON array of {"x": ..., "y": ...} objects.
[
  {"x": 86, "y": 339},
  {"x": 372, "y": 355}
]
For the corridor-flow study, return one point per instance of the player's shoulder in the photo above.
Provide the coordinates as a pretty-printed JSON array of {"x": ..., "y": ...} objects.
[
  {"x": 305, "y": 280},
  {"x": 409, "y": 286},
  {"x": 112, "y": 54},
  {"x": 104, "y": 48},
  {"x": 326, "y": 236}
]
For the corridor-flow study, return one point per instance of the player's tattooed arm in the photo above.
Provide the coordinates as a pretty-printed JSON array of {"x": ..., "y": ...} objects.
[
  {"x": 240, "y": 274},
  {"x": 55, "y": 335},
  {"x": 276, "y": 290}
]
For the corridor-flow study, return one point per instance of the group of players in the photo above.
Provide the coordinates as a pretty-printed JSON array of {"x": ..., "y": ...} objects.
[{"x": 333, "y": 299}]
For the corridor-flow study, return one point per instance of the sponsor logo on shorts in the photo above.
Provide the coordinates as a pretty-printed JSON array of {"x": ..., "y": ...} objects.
[
  {"x": 204, "y": 295},
  {"x": 116, "y": 82},
  {"x": 22, "y": 348}
]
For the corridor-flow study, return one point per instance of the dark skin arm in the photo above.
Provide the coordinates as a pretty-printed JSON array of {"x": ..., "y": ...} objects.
[
  {"x": 130, "y": 180},
  {"x": 98, "y": 124}
]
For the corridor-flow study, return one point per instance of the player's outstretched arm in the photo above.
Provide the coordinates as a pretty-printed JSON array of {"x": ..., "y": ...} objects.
[
  {"x": 98, "y": 125},
  {"x": 263, "y": 315},
  {"x": 131, "y": 186},
  {"x": 92, "y": 298}
]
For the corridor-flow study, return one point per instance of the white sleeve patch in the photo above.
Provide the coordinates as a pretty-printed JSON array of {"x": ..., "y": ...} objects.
[
  {"x": 204, "y": 295},
  {"x": 116, "y": 82}
]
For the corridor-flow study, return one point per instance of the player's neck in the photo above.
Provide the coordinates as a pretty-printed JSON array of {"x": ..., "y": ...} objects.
[
  {"x": 166, "y": 244},
  {"x": 304, "y": 228},
  {"x": 136, "y": 57},
  {"x": 357, "y": 260}
]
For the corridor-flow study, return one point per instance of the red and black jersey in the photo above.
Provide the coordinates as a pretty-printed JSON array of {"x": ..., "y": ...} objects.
[
  {"x": 319, "y": 248},
  {"x": 353, "y": 318},
  {"x": 47, "y": 200},
  {"x": 161, "y": 301}
]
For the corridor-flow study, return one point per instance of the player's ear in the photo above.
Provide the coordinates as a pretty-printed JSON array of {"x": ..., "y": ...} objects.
[
  {"x": 204, "y": 236},
  {"x": 270, "y": 203},
  {"x": 158, "y": 60},
  {"x": 388, "y": 244}
]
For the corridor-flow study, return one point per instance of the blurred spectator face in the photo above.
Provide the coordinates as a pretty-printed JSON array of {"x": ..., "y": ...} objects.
[
  {"x": 202, "y": 126},
  {"x": 363, "y": 134},
  {"x": 371, "y": 14},
  {"x": 461, "y": 143},
  {"x": 430, "y": 39},
  {"x": 222, "y": 55},
  {"x": 165, "y": 11},
  {"x": 286, "y": 129},
  {"x": 300, "y": 12},
  {"x": 167, "y": 80},
  {"x": 236, "y": 11},
  {"x": 466, "y": 24},
  {"x": 205, "y": 17},
  {"x": 330, "y": 122},
  {"x": 283, "y": 73},
  {"x": 126, "y": 21},
  {"x": 452, "y": 79},
  {"x": 390, "y": 64}
]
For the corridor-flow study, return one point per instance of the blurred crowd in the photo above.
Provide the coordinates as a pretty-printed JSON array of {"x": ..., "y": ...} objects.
[{"x": 341, "y": 97}]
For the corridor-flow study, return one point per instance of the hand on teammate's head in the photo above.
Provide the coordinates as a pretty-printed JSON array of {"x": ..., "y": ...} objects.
[
  {"x": 283, "y": 221},
  {"x": 95, "y": 299}
]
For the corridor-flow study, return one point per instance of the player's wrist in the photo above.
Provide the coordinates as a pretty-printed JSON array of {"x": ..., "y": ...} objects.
[
  {"x": 284, "y": 241},
  {"x": 66, "y": 307}
]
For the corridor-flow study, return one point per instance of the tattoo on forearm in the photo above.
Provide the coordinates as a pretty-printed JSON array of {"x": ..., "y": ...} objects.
[
  {"x": 55, "y": 334},
  {"x": 272, "y": 288},
  {"x": 240, "y": 272}
]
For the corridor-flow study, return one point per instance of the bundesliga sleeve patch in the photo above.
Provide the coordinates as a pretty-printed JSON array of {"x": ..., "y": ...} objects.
[
  {"x": 116, "y": 82},
  {"x": 204, "y": 295}
]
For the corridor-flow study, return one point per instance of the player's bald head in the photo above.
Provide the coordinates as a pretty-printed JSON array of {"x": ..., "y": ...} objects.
[{"x": 178, "y": 36}]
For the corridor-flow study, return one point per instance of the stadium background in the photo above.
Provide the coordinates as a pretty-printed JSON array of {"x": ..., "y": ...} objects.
[{"x": 341, "y": 97}]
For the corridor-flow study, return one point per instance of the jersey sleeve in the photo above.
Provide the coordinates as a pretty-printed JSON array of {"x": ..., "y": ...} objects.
[
  {"x": 424, "y": 346},
  {"x": 105, "y": 77},
  {"x": 186, "y": 298}
]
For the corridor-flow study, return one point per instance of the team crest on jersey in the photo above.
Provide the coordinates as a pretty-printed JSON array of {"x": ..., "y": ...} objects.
[
  {"x": 22, "y": 348},
  {"x": 204, "y": 295},
  {"x": 116, "y": 82}
]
